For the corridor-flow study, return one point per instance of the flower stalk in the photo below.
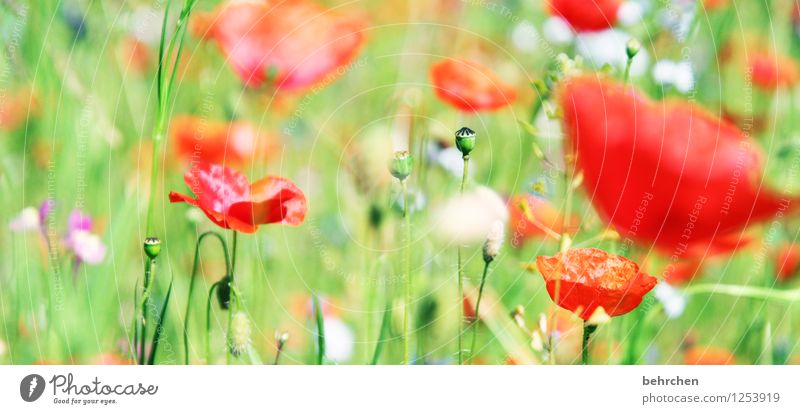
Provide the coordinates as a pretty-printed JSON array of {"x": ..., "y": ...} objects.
[
  {"x": 491, "y": 248},
  {"x": 195, "y": 268},
  {"x": 588, "y": 330},
  {"x": 401, "y": 168},
  {"x": 465, "y": 142}
]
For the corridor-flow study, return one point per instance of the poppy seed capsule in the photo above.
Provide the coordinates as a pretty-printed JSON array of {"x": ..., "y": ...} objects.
[
  {"x": 152, "y": 247},
  {"x": 465, "y": 141},
  {"x": 402, "y": 164},
  {"x": 632, "y": 48},
  {"x": 224, "y": 293},
  {"x": 240, "y": 334}
]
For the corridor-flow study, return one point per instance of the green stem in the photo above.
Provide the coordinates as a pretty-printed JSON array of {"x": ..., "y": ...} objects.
[
  {"x": 320, "y": 330},
  {"x": 208, "y": 321},
  {"x": 628, "y": 70},
  {"x": 588, "y": 330},
  {"x": 149, "y": 275},
  {"x": 234, "y": 307},
  {"x": 387, "y": 313},
  {"x": 477, "y": 310},
  {"x": 461, "y": 275},
  {"x": 195, "y": 267},
  {"x": 792, "y": 295},
  {"x": 408, "y": 286},
  {"x": 234, "y": 298}
]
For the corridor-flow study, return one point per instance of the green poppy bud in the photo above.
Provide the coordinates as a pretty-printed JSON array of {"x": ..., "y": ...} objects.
[
  {"x": 402, "y": 164},
  {"x": 152, "y": 247},
  {"x": 632, "y": 48},
  {"x": 224, "y": 293},
  {"x": 465, "y": 141}
]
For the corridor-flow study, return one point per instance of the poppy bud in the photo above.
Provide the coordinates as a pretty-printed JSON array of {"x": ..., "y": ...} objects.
[
  {"x": 465, "y": 141},
  {"x": 491, "y": 247},
  {"x": 402, "y": 164},
  {"x": 281, "y": 338},
  {"x": 224, "y": 293},
  {"x": 375, "y": 216},
  {"x": 152, "y": 247},
  {"x": 632, "y": 48},
  {"x": 239, "y": 339}
]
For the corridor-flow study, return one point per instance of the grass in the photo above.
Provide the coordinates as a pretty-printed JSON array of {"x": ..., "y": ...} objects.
[{"x": 92, "y": 143}]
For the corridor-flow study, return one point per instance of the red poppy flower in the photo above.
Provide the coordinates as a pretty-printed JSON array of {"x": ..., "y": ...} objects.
[
  {"x": 787, "y": 262},
  {"x": 590, "y": 278},
  {"x": 708, "y": 355},
  {"x": 469, "y": 86},
  {"x": 17, "y": 108},
  {"x": 665, "y": 173},
  {"x": 299, "y": 42},
  {"x": 212, "y": 142},
  {"x": 547, "y": 219},
  {"x": 683, "y": 271},
  {"x": 711, "y": 5},
  {"x": 585, "y": 15},
  {"x": 231, "y": 202},
  {"x": 770, "y": 71}
]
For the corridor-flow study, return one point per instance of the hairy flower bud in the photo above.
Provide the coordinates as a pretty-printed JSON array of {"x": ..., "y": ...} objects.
[
  {"x": 494, "y": 240},
  {"x": 239, "y": 339},
  {"x": 224, "y": 293}
]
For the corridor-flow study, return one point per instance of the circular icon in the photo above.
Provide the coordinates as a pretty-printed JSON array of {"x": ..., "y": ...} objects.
[{"x": 31, "y": 387}]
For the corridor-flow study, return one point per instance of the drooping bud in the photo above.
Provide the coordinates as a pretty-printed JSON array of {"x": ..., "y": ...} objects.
[
  {"x": 224, "y": 293},
  {"x": 240, "y": 334},
  {"x": 401, "y": 165},
  {"x": 152, "y": 247},
  {"x": 281, "y": 337},
  {"x": 465, "y": 141},
  {"x": 632, "y": 48},
  {"x": 494, "y": 240}
]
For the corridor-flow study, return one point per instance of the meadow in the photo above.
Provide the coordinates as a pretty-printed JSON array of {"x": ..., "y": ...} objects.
[{"x": 399, "y": 182}]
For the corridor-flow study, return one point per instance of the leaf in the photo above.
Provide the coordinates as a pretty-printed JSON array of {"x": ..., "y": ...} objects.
[
  {"x": 159, "y": 327},
  {"x": 320, "y": 331},
  {"x": 505, "y": 331}
]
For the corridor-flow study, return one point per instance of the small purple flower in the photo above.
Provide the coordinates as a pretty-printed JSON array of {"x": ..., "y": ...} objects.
[
  {"x": 86, "y": 246},
  {"x": 45, "y": 210}
]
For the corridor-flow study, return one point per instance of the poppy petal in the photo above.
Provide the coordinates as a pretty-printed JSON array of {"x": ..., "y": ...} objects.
[
  {"x": 665, "y": 173},
  {"x": 470, "y": 86},
  {"x": 300, "y": 41},
  {"x": 183, "y": 198},
  {"x": 272, "y": 200},
  {"x": 585, "y": 15},
  {"x": 581, "y": 280},
  {"x": 217, "y": 187}
]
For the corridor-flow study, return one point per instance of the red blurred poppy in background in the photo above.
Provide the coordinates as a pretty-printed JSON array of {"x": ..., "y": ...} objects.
[
  {"x": 586, "y": 15},
  {"x": 213, "y": 142},
  {"x": 469, "y": 86},
  {"x": 299, "y": 42},
  {"x": 771, "y": 70},
  {"x": 16, "y": 108},
  {"x": 590, "y": 278},
  {"x": 231, "y": 202},
  {"x": 787, "y": 262},
  {"x": 708, "y": 355},
  {"x": 683, "y": 271},
  {"x": 548, "y": 219},
  {"x": 665, "y": 173}
]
